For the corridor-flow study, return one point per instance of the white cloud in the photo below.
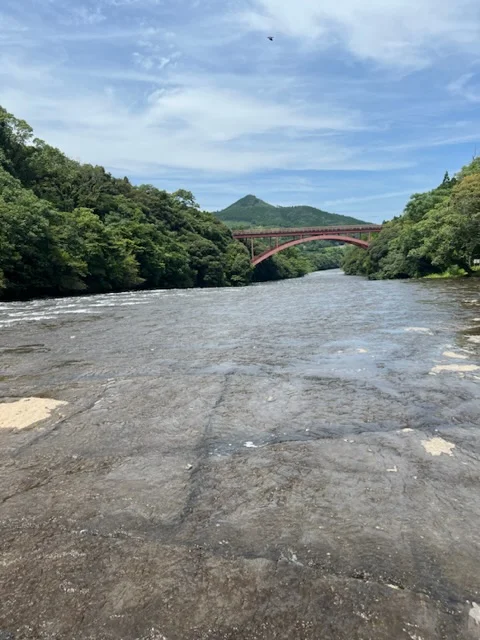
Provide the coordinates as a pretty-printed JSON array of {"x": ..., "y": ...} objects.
[
  {"x": 432, "y": 142},
  {"x": 87, "y": 15},
  {"x": 175, "y": 130},
  {"x": 199, "y": 124},
  {"x": 371, "y": 198},
  {"x": 403, "y": 33},
  {"x": 127, "y": 35},
  {"x": 222, "y": 114},
  {"x": 465, "y": 88},
  {"x": 149, "y": 62}
]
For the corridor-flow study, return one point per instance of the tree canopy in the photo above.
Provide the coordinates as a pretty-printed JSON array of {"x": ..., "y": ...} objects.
[
  {"x": 438, "y": 232},
  {"x": 68, "y": 227}
]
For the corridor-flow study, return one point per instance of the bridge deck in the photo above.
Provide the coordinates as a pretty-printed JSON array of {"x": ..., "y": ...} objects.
[{"x": 306, "y": 231}]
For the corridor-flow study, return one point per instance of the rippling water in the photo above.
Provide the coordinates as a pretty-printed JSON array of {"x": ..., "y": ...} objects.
[{"x": 246, "y": 463}]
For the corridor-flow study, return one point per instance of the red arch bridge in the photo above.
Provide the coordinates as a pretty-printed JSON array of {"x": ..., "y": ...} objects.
[{"x": 280, "y": 239}]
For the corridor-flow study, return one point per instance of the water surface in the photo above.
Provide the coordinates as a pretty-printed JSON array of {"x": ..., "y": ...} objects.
[{"x": 244, "y": 463}]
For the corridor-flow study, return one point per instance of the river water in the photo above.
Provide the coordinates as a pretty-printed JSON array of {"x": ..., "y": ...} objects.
[{"x": 290, "y": 460}]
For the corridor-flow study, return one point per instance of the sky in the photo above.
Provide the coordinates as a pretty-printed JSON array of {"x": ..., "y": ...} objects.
[{"x": 355, "y": 104}]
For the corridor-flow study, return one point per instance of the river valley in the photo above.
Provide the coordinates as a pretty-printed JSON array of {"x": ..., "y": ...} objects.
[{"x": 293, "y": 460}]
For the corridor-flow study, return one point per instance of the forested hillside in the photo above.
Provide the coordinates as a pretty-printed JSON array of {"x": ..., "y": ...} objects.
[
  {"x": 438, "y": 233},
  {"x": 67, "y": 227},
  {"x": 250, "y": 211}
]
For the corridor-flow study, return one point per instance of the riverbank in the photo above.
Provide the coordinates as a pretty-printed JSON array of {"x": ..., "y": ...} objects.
[{"x": 455, "y": 273}]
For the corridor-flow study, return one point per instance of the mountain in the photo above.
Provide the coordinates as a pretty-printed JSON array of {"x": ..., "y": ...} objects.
[{"x": 250, "y": 211}]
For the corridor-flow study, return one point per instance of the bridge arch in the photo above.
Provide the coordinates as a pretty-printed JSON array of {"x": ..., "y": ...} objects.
[{"x": 291, "y": 243}]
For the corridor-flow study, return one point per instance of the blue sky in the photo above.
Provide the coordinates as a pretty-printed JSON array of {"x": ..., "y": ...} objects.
[{"x": 354, "y": 105}]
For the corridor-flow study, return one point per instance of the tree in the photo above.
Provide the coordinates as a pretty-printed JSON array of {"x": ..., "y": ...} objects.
[
  {"x": 439, "y": 231},
  {"x": 185, "y": 199},
  {"x": 69, "y": 227},
  {"x": 238, "y": 268}
]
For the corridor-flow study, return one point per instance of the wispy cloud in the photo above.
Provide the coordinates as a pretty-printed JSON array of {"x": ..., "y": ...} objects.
[
  {"x": 437, "y": 141},
  {"x": 404, "y": 33},
  {"x": 125, "y": 34},
  {"x": 201, "y": 127},
  {"x": 467, "y": 86},
  {"x": 149, "y": 62},
  {"x": 371, "y": 198},
  {"x": 87, "y": 15}
]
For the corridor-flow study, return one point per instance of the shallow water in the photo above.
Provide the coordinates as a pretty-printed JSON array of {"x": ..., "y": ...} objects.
[{"x": 245, "y": 463}]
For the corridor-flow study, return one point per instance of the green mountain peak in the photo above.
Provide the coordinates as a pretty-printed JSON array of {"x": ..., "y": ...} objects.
[
  {"x": 248, "y": 201},
  {"x": 251, "y": 211}
]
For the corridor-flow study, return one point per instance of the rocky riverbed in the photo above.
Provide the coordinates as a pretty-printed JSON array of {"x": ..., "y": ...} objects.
[{"x": 291, "y": 460}]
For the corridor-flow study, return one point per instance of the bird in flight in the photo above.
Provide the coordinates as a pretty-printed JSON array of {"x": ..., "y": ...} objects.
[{"x": 270, "y": 38}]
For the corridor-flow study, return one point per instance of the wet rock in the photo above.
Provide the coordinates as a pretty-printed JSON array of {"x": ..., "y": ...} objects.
[{"x": 281, "y": 532}]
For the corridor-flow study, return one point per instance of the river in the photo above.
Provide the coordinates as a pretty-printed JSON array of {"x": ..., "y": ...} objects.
[{"x": 293, "y": 460}]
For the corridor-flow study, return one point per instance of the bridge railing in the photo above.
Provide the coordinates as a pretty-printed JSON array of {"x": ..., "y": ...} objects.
[{"x": 285, "y": 232}]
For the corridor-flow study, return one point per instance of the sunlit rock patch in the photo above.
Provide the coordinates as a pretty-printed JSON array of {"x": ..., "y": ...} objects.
[
  {"x": 26, "y": 412},
  {"x": 437, "y": 446}
]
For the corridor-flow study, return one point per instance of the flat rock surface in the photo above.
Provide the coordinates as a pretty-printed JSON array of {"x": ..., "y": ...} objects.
[{"x": 266, "y": 463}]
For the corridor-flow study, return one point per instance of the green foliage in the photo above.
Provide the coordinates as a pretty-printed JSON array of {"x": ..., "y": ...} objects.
[
  {"x": 289, "y": 263},
  {"x": 68, "y": 227},
  {"x": 237, "y": 264},
  {"x": 329, "y": 257},
  {"x": 250, "y": 211},
  {"x": 438, "y": 233},
  {"x": 453, "y": 272},
  {"x": 185, "y": 198}
]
